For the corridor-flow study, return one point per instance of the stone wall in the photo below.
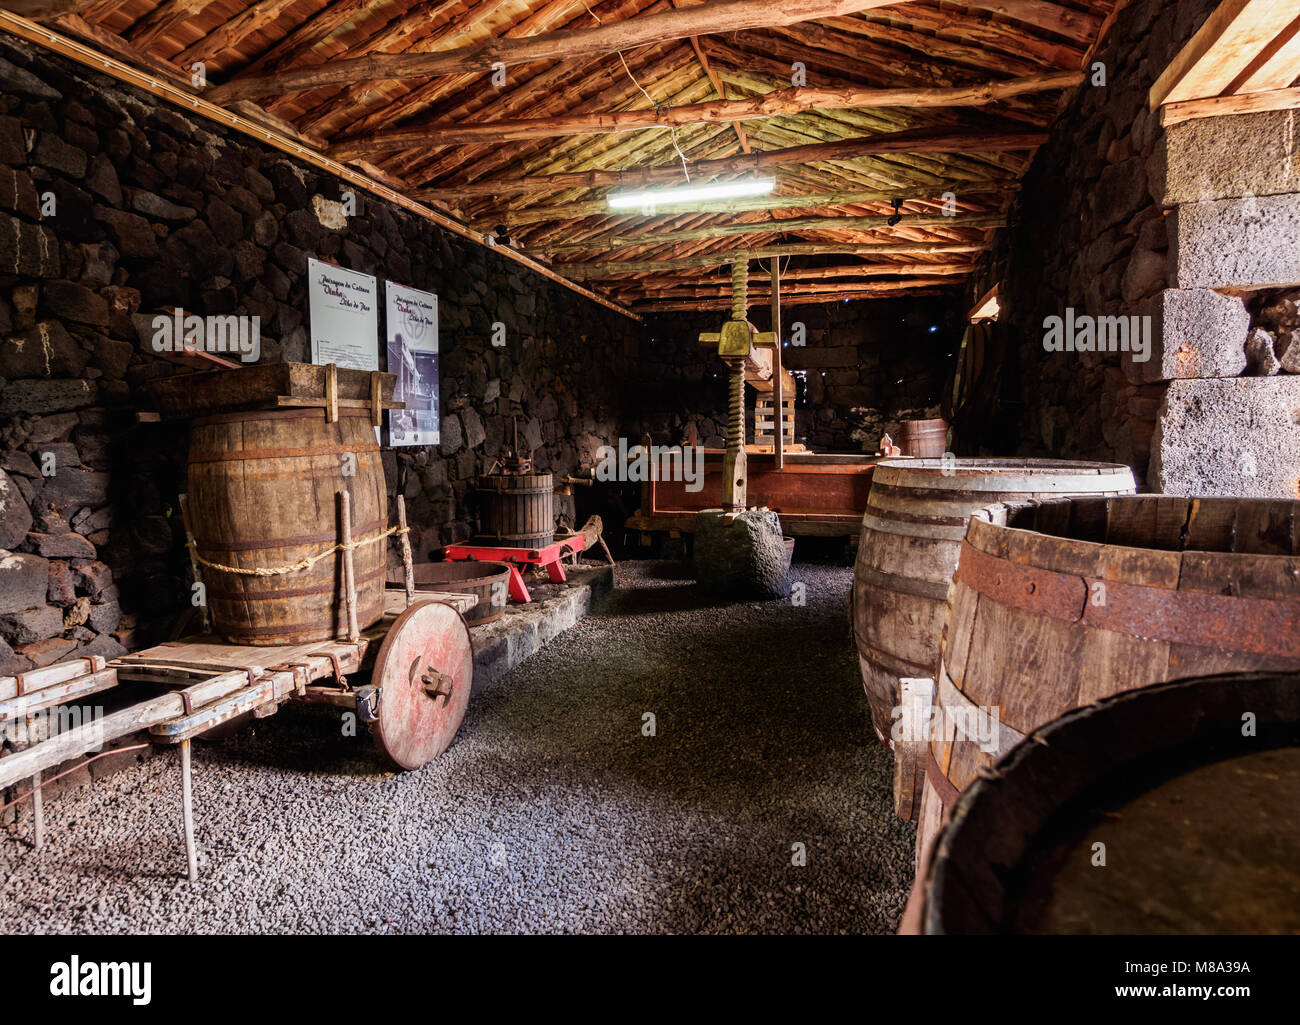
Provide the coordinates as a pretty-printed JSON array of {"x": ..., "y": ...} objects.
[
  {"x": 1088, "y": 233},
  {"x": 114, "y": 208},
  {"x": 862, "y": 368}
]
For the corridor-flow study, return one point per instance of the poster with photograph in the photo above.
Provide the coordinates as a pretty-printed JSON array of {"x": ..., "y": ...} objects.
[
  {"x": 412, "y": 318},
  {"x": 344, "y": 308}
]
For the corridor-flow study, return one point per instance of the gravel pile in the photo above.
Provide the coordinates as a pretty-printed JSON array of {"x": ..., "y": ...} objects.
[{"x": 551, "y": 812}]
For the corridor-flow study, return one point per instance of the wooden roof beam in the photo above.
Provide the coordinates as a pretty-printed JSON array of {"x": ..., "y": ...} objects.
[
  {"x": 897, "y": 290},
  {"x": 657, "y": 236},
  {"x": 783, "y": 101},
  {"x": 587, "y": 271},
  {"x": 912, "y": 141},
  {"x": 600, "y": 207},
  {"x": 714, "y": 16}
]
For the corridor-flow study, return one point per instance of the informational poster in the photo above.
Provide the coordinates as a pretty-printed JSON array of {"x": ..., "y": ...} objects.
[
  {"x": 412, "y": 319},
  {"x": 344, "y": 307}
]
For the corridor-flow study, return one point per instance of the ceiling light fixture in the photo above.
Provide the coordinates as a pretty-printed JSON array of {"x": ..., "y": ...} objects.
[{"x": 690, "y": 193}]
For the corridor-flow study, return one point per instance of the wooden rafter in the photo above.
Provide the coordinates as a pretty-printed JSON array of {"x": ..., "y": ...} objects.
[
  {"x": 529, "y": 153},
  {"x": 707, "y": 18},
  {"x": 588, "y": 271},
  {"x": 921, "y": 141},
  {"x": 840, "y": 224},
  {"x": 785, "y": 101},
  {"x": 1223, "y": 50},
  {"x": 600, "y": 207}
]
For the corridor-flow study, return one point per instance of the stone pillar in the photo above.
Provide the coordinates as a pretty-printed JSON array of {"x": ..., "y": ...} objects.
[{"x": 1226, "y": 337}]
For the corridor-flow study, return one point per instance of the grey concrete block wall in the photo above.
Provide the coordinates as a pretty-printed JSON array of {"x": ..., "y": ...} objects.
[
  {"x": 1248, "y": 243},
  {"x": 1229, "y": 437},
  {"x": 1227, "y": 157}
]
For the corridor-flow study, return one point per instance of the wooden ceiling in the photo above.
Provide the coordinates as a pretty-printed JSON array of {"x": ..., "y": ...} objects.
[{"x": 527, "y": 113}]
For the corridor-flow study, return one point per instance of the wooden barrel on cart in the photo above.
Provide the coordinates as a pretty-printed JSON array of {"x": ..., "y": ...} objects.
[
  {"x": 1058, "y": 604},
  {"x": 923, "y": 439},
  {"x": 1192, "y": 791},
  {"x": 916, "y": 516},
  {"x": 518, "y": 509},
  {"x": 263, "y": 499}
]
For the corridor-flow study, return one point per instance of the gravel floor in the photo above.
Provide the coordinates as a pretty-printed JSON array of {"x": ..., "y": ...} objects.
[{"x": 551, "y": 812}]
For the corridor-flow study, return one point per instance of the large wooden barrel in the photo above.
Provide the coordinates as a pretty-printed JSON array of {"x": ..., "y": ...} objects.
[
  {"x": 916, "y": 516},
  {"x": 923, "y": 439},
  {"x": 263, "y": 495},
  {"x": 1190, "y": 788},
  {"x": 1059, "y": 604},
  {"x": 518, "y": 509}
]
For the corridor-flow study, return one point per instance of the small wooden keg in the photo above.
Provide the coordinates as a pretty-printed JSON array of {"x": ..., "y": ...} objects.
[
  {"x": 923, "y": 439},
  {"x": 518, "y": 509}
]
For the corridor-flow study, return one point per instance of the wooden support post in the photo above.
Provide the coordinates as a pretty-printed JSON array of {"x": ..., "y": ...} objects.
[
  {"x": 38, "y": 814},
  {"x": 778, "y": 396},
  {"x": 349, "y": 578},
  {"x": 187, "y": 813},
  {"x": 331, "y": 392},
  {"x": 38, "y": 806},
  {"x": 376, "y": 399},
  {"x": 408, "y": 566},
  {"x": 194, "y": 564}
]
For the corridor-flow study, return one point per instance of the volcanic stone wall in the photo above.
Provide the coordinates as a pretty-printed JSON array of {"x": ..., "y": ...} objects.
[
  {"x": 1191, "y": 228},
  {"x": 862, "y": 368},
  {"x": 114, "y": 208}
]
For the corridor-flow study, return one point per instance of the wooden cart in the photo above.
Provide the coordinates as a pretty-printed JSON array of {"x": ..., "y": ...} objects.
[{"x": 419, "y": 660}]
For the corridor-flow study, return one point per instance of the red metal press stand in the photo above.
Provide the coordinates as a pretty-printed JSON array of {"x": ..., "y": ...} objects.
[{"x": 547, "y": 557}]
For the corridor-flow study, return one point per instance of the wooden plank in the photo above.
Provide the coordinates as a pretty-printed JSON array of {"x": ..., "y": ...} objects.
[
  {"x": 1224, "y": 46},
  {"x": 262, "y": 386},
  {"x": 1225, "y": 106},
  {"x": 1276, "y": 66},
  {"x": 49, "y": 676},
  {"x": 57, "y": 694}
]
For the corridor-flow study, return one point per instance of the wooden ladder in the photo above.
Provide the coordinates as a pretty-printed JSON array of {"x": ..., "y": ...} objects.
[{"x": 765, "y": 421}]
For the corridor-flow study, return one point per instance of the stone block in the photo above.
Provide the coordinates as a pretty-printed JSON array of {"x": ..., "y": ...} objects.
[
  {"x": 46, "y": 396},
  {"x": 805, "y": 357},
  {"x": 44, "y": 653},
  {"x": 27, "y": 249},
  {"x": 1190, "y": 166},
  {"x": 15, "y": 516},
  {"x": 1249, "y": 243},
  {"x": 1195, "y": 332},
  {"x": 24, "y": 580},
  {"x": 741, "y": 557},
  {"x": 31, "y": 625},
  {"x": 63, "y": 546},
  {"x": 1228, "y": 437},
  {"x": 1261, "y": 360}
]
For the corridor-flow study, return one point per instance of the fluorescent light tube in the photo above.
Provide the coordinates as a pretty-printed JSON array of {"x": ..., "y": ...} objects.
[{"x": 690, "y": 193}]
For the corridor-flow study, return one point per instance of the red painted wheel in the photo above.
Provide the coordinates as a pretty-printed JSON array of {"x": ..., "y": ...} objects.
[{"x": 424, "y": 670}]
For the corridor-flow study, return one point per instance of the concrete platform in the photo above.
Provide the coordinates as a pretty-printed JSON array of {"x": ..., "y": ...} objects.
[{"x": 500, "y": 646}]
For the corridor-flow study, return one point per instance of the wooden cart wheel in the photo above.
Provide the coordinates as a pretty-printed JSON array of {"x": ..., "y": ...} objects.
[{"x": 425, "y": 668}]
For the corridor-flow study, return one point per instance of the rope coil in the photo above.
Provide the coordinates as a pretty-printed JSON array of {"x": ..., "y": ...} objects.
[{"x": 304, "y": 563}]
